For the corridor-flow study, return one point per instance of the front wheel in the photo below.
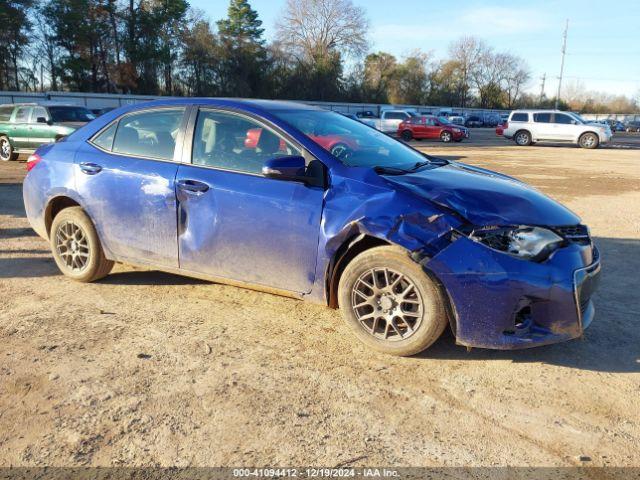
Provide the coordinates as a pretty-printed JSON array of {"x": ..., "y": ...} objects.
[
  {"x": 406, "y": 135},
  {"x": 446, "y": 137},
  {"x": 588, "y": 140},
  {"x": 390, "y": 303},
  {"x": 76, "y": 247},
  {"x": 6, "y": 150}
]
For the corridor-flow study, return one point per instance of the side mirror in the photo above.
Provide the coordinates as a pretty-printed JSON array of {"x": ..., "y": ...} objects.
[
  {"x": 41, "y": 120},
  {"x": 285, "y": 168}
]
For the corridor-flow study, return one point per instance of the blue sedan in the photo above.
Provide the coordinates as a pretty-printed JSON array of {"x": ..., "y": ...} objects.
[{"x": 307, "y": 203}]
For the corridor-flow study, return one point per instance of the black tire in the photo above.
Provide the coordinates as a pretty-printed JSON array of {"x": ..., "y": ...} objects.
[
  {"x": 522, "y": 138},
  {"x": 589, "y": 140},
  {"x": 446, "y": 136},
  {"x": 72, "y": 235},
  {"x": 390, "y": 329},
  {"x": 406, "y": 135},
  {"x": 6, "y": 150}
]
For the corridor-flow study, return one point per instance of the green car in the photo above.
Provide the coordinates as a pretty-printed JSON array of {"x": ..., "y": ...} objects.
[{"x": 26, "y": 126}]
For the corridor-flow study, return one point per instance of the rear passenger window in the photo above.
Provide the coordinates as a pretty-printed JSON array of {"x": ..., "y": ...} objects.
[
  {"x": 395, "y": 116},
  {"x": 5, "y": 113},
  {"x": 542, "y": 117},
  {"x": 151, "y": 133},
  {"x": 520, "y": 117},
  {"x": 104, "y": 139}
]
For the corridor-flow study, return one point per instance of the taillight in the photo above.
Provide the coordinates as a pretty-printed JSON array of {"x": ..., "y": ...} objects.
[{"x": 32, "y": 161}]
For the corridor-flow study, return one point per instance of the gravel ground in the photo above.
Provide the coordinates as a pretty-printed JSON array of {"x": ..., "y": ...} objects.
[{"x": 146, "y": 368}]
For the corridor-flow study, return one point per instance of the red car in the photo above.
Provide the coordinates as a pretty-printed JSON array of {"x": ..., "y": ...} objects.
[
  {"x": 337, "y": 145},
  {"x": 430, "y": 127},
  {"x": 500, "y": 129}
]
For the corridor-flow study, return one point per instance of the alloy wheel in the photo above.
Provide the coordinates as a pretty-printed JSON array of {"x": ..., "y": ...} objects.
[
  {"x": 522, "y": 138},
  {"x": 387, "y": 304},
  {"x": 72, "y": 246},
  {"x": 446, "y": 137},
  {"x": 588, "y": 141},
  {"x": 5, "y": 150}
]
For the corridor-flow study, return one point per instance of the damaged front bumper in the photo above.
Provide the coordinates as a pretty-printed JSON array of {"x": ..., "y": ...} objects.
[{"x": 502, "y": 302}]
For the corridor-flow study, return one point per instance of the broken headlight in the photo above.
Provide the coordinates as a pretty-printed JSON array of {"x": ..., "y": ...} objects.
[{"x": 531, "y": 243}]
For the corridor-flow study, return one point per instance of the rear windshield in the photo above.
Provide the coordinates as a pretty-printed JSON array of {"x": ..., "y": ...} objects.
[{"x": 70, "y": 114}]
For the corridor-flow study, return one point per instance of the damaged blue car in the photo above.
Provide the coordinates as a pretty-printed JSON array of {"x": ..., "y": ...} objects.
[{"x": 308, "y": 203}]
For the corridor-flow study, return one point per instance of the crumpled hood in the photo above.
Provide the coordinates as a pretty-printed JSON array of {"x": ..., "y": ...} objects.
[{"x": 485, "y": 198}]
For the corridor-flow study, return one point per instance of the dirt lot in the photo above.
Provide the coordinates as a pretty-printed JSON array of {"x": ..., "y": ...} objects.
[{"x": 145, "y": 368}]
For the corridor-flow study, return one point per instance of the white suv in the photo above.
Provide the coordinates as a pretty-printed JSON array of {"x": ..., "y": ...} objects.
[{"x": 530, "y": 126}]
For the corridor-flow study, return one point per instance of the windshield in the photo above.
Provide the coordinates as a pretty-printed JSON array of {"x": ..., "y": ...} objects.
[
  {"x": 70, "y": 114},
  {"x": 444, "y": 120},
  {"x": 353, "y": 143},
  {"x": 577, "y": 117}
]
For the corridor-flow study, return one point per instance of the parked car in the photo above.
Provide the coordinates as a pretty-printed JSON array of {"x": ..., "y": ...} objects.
[
  {"x": 26, "y": 126},
  {"x": 388, "y": 121},
  {"x": 402, "y": 242},
  {"x": 352, "y": 116},
  {"x": 500, "y": 129},
  {"x": 474, "y": 121},
  {"x": 530, "y": 126},
  {"x": 633, "y": 126},
  {"x": 614, "y": 125},
  {"x": 456, "y": 120},
  {"x": 430, "y": 127},
  {"x": 492, "y": 120},
  {"x": 101, "y": 111},
  {"x": 366, "y": 114}
]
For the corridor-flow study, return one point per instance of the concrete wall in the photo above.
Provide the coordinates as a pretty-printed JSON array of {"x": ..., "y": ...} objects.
[{"x": 103, "y": 100}]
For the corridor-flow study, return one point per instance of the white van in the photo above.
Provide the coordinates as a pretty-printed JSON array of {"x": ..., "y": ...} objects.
[{"x": 530, "y": 126}]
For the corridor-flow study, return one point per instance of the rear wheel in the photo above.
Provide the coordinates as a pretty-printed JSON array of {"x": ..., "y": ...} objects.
[
  {"x": 446, "y": 137},
  {"x": 522, "y": 138},
  {"x": 406, "y": 135},
  {"x": 588, "y": 140},
  {"x": 390, "y": 303},
  {"x": 6, "y": 150},
  {"x": 76, "y": 247}
]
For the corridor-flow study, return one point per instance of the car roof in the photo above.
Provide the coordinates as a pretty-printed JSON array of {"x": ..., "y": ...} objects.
[{"x": 258, "y": 104}]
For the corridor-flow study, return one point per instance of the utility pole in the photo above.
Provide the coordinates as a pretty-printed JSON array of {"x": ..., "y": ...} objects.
[
  {"x": 564, "y": 50},
  {"x": 543, "y": 78}
]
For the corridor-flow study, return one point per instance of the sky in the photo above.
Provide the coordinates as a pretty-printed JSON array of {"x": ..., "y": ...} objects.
[{"x": 603, "y": 42}]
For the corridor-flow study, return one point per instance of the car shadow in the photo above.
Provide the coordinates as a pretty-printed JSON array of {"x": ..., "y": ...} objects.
[
  {"x": 28, "y": 267},
  {"x": 16, "y": 233},
  {"x": 612, "y": 341},
  {"x": 149, "y": 277},
  {"x": 11, "y": 203}
]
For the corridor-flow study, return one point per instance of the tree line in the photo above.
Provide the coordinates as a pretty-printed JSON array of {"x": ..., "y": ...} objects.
[{"x": 165, "y": 47}]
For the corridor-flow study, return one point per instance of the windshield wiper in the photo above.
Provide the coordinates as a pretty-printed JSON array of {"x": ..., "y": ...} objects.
[{"x": 390, "y": 170}]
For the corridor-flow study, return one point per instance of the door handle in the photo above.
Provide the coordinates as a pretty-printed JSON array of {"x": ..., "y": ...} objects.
[
  {"x": 90, "y": 168},
  {"x": 192, "y": 186}
]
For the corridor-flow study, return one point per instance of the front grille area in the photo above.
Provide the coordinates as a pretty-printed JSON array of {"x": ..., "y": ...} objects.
[{"x": 574, "y": 233}]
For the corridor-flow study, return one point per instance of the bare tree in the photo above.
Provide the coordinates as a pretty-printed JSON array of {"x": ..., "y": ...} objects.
[
  {"x": 467, "y": 52},
  {"x": 514, "y": 79},
  {"x": 314, "y": 29}
]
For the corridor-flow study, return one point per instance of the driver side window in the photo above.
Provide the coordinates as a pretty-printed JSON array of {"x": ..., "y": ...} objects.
[{"x": 233, "y": 142}]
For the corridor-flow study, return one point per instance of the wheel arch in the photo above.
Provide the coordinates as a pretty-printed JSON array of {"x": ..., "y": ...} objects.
[
  {"x": 347, "y": 251},
  {"x": 54, "y": 207}
]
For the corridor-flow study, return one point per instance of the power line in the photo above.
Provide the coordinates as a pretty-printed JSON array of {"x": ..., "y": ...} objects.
[{"x": 564, "y": 51}]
